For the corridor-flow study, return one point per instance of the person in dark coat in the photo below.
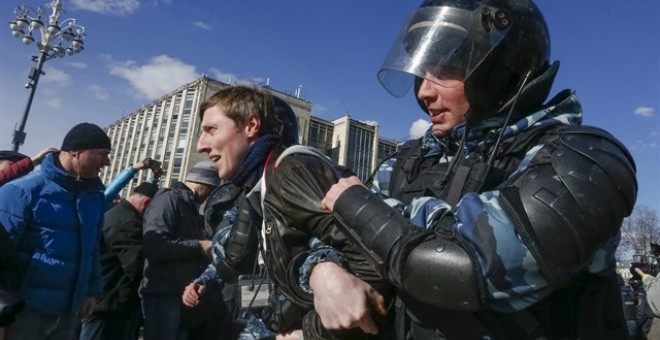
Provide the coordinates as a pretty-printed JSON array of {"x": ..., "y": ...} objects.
[
  {"x": 117, "y": 315},
  {"x": 177, "y": 249}
]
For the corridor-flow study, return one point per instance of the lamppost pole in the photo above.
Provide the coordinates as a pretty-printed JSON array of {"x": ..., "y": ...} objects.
[
  {"x": 19, "y": 134},
  {"x": 51, "y": 45}
]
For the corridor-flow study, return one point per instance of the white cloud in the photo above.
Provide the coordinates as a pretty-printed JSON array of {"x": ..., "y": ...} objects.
[
  {"x": 644, "y": 146},
  {"x": 106, "y": 58},
  {"x": 54, "y": 102},
  {"x": 232, "y": 79},
  {"x": 418, "y": 128},
  {"x": 202, "y": 25},
  {"x": 154, "y": 79},
  {"x": 112, "y": 7},
  {"x": 318, "y": 108},
  {"x": 252, "y": 81},
  {"x": 644, "y": 111},
  {"x": 55, "y": 76},
  {"x": 78, "y": 65},
  {"x": 655, "y": 133},
  {"x": 370, "y": 122},
  {"x": 99, "y": 92}
]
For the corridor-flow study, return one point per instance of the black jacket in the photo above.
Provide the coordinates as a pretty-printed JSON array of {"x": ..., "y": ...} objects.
[
  {"x": 121, "y": 258},
  {"x": 292, "y": 214},
  {"x": 10, "y": 267},
  {"x": 173, "y": 228}
]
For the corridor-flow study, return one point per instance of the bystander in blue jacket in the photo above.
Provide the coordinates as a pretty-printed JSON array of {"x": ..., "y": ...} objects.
[{"x": 54, "y": 216}]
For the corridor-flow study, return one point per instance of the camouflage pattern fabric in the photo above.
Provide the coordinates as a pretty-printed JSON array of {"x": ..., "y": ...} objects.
[{"x": 512, "y": 275}]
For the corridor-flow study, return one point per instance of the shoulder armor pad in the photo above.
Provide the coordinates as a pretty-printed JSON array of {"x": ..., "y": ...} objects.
[
  {"x": 572, "y": 198},
  {"x": 608, "y": 153}
]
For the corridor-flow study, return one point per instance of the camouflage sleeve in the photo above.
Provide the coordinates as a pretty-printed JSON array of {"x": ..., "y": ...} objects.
[
  {"x": 319, "y": 253},
  {"x": 207, "y": 276},
  {"x": 501, "y": 254},
  {"x": 219, "y": 242},
  {"x": 381, "y": 183}
]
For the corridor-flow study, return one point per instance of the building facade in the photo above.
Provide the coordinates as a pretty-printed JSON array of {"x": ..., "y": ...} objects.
[{"x": 168, "y": 128}]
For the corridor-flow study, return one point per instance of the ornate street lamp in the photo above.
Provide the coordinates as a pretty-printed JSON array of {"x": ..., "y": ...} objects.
[{"x": 55, "y": 40}]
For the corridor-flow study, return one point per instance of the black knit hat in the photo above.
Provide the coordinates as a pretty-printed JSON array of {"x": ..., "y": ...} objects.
[
  {"x": 11, "y": 155},
  {"x": 147, "y": 189},
  {"x": 85, "y": 136}
]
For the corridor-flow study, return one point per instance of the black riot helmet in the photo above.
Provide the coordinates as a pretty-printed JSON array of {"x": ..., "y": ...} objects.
[
  {"x": 490, "y": 44},
  {"x": 286, "y": 125}
]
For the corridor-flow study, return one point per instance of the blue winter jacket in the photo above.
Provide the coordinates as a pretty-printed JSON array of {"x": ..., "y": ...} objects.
[{"x": 55, "y": 221}]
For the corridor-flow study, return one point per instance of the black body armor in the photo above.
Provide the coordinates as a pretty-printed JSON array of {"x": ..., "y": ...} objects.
[{"x": 576, "y": 191}]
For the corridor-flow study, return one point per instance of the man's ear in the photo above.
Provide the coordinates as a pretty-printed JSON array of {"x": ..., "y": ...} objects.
[
  {"x": 145, "y": 203},
  {"x": 253, "y": 126}
]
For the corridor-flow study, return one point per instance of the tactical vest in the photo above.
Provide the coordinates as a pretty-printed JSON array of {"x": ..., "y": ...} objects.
[
  {"x": 472, "y": 174},
  {"x": 413, "y": 174}
]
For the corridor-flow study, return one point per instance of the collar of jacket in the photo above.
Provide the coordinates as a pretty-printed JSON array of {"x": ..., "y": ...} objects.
[
  {"x": 128, "y": 205},
  {"x": 187, "y": 191},
  {"x": 181, "y": 186},
  {"x": 52, "y": 170},
  {"x": 434, "y": 146}
]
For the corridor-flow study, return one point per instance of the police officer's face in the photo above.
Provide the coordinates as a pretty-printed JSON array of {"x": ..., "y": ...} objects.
[
  {"x": 89, "y": 162},
  {"x": 445, "y": 101},
  {"x": 224, "y": 141}
]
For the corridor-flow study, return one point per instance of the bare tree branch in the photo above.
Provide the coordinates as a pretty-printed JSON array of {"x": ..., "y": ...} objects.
[{"x": 638, "y": 231}]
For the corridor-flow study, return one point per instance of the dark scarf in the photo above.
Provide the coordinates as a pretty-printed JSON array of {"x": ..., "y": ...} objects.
[{"x": 255, "y": 158}]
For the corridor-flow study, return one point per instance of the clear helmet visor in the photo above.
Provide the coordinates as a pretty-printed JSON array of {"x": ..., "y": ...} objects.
[{"x": 441, "y": 44}]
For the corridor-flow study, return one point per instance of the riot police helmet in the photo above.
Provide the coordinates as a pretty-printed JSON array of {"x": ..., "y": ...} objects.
[{"x": 490, "y": 45}]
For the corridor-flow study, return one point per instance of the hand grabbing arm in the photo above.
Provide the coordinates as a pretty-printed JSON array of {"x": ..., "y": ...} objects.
[
  {"x": 337, "y": 189},
  {"x": 344, "y": 301},
  {"x": 192, "y": 293},
  {"x": 36, "y": 159}
]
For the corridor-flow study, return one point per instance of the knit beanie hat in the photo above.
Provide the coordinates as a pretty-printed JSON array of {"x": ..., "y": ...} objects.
[
  {"x": 11, "y": 155},
  {"x": 85, "y": 136},
  {"x": 147, "y": 189},
  {"x": 204, "y": 172}
]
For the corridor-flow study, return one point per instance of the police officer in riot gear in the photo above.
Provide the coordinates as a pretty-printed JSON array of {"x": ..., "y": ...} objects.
[{"x": 519, "y": 241}]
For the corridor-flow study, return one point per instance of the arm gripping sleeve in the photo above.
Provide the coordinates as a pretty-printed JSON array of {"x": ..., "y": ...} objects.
[{"x": 432, "y": 268}]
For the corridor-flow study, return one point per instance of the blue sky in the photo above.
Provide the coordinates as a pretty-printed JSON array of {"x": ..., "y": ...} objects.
[{"x": 137, "y": 51}]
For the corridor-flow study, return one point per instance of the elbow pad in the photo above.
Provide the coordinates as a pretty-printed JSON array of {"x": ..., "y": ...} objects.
[
  {"x": 429, "y": 266},
  {"x": 439, "y": 272}
]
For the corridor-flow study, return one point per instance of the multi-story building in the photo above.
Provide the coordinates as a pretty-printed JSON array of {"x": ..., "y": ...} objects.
[
  {"x": 386, "y": 147},
  {"x": 167, "y": 131}
]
